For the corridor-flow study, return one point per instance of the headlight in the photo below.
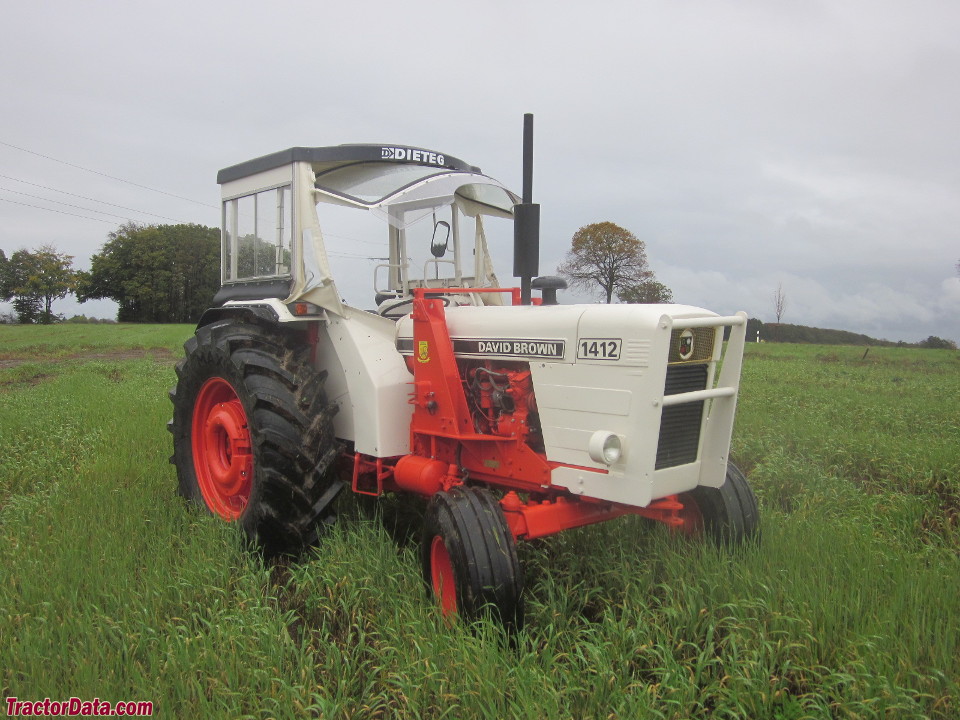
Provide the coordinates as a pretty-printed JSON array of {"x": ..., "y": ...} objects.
[{"x": 604, "y": 447}]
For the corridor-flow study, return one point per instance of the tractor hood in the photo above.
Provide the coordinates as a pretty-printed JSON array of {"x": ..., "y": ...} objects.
[{"x": 555, "y": 333}]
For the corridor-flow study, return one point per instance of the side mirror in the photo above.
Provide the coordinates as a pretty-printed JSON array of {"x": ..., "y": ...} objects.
[{"x": 440, "y": 242}]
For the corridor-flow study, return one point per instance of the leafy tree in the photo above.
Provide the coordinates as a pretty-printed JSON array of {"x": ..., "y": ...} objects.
[
  {"x": 6, "y": 281},
  {"x": 4, "y": 273},
  {"x": 156, "y": 273},
  {"x": 34, "y": 280},
  {"x": 52, "y": 278},
  {"x": 607, "y": 256},
  {"x": 650, "y": 292},
  {"x": 257, "y": 257},
  {"x": 937, "y": 343},
  {"x": 28, "y": 310}
]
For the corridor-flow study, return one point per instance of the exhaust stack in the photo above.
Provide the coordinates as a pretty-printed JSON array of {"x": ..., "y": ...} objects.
[{"x": 526, "y": 224}]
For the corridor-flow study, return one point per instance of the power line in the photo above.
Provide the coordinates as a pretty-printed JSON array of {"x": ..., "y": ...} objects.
[
  {"x": 112, "y": 177},
  {"x": 84, "y": 197},
  {"x": 351, "y": 257},
  {"x": 347, "y": 237},
  {"x": 78, "y": 207},
  {"x": 62, "y": 212}
]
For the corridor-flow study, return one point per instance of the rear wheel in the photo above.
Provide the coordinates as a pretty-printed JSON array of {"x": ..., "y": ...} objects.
[
  {"x": 728, "y": 515},
  {"x": 222, "y": 450},
  {"x": 253, "y": 433},
  {"x": 469, "y": 557}
]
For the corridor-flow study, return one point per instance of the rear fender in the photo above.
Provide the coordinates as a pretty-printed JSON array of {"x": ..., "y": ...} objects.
[{"x": 259, "y": 312}]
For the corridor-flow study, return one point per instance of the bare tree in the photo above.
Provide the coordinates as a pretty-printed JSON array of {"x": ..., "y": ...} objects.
[{"x": 779, "y": 302}]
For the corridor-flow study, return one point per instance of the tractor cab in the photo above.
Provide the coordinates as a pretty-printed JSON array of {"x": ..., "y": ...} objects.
[{"x": 433, "y": 207}]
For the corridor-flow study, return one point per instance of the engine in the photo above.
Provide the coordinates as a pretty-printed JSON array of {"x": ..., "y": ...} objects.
[{"x": 502, "y": 401}]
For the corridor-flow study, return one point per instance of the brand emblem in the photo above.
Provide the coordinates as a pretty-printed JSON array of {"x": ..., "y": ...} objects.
[
  {"x": 511, "y": 347},
  {"x": 685, "y": 348},
  {"x": 423, "y": 351},
  {"x": 411, "y": 155}
]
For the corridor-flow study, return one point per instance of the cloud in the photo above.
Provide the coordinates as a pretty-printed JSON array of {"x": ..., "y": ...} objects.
[
  {"x": 876, "y": 309},
  {"x": 949, "y": 301}
]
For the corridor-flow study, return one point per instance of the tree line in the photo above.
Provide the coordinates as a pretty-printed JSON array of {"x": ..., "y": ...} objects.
[
  {"x": 789, "y": 333},
  {"x": 155, "y": 273}
]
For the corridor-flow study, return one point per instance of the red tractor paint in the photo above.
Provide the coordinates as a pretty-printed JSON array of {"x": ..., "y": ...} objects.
[
  {"x": 492, "y": 449},
  {"x": 222, "y": 451},
  {"x": 444, "y": 585}
]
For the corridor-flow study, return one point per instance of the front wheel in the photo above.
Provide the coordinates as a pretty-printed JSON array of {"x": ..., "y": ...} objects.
[
  {"x": 469, "y": 557},
  {"x": 728, "y": 515},
  {"x": 253, "y": 433}
]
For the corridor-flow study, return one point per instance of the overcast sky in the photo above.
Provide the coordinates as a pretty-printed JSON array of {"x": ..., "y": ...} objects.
[{"x": 813, "y": 144}]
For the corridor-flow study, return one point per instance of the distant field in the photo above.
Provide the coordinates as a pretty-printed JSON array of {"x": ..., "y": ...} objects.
[{"x": 111, "y": 587}]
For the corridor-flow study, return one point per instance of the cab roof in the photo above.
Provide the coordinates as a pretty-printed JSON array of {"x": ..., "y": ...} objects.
[{"x": 328, "y": 158}]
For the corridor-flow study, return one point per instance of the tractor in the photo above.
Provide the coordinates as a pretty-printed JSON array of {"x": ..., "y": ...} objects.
[{"x": 514, "y": 416}]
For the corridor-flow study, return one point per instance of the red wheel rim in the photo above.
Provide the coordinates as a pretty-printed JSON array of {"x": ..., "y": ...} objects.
[
  {"x": 222, "y": 451},
  {"x": 691, "y": 515},
  {"x": 441, "y": 569}
]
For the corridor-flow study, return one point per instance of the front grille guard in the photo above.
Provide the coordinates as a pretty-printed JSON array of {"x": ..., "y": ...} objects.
[{"x": 719, "y": 398}]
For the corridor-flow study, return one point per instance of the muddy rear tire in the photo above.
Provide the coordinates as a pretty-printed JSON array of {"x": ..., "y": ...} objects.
[{"x": 253, "y": 433}]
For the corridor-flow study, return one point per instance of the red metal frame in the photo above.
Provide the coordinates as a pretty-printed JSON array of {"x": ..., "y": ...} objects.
[
  {"x": 364, "y": 467},
  {"x": 532, "y": 519},
  {"x": 441, "y": 572},
  {"x": 442, "y": 426}
]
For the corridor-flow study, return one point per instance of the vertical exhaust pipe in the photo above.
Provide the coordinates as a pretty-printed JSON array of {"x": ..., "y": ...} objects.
[{"x": 526, "y": 221}]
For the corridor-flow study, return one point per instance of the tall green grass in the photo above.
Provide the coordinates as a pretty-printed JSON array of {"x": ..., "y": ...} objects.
[
  {"x": 878, "y": 430},
  {"x": 62, "y": 342},
  {"x": 111, "y": 587}
]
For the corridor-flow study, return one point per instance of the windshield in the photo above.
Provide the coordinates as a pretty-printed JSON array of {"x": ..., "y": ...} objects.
[
  {"x": 493, "y": 196},
  {"x": 369, "y": 183},
  {"x": 405, "y": 194},
  {"x": 437, "y": 219}
]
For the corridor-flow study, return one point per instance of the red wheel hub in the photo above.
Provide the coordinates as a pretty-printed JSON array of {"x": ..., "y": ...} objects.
[
  {"x": 222, "y": 451},
  {"x": 441, "y": 569}
]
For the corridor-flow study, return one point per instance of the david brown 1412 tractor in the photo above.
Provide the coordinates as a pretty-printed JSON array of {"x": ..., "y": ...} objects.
[{"x": 517, "y": 418}]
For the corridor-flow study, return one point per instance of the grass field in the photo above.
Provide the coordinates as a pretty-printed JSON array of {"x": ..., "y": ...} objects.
[{"x": 111, "y": 587}]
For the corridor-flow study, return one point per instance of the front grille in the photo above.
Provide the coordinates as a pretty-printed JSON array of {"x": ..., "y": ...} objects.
[{"x": 680, "y": 424}]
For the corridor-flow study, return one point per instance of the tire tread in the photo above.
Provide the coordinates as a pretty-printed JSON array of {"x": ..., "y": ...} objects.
[
  {"x": 482, "y": 551},
  {"x": 290, "y": 420}
]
